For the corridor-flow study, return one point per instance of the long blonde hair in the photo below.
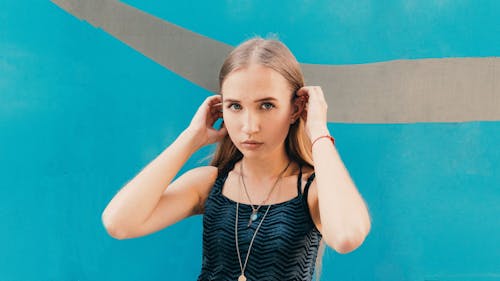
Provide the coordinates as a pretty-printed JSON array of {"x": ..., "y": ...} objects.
[{"x": 273, "y": 54}]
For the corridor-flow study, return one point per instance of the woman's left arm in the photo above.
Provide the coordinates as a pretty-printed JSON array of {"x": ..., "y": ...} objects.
[{"x": 344, "y": 216}]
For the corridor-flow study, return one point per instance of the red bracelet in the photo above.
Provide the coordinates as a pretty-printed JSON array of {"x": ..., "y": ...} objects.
[{"x": 325, "y": 136}]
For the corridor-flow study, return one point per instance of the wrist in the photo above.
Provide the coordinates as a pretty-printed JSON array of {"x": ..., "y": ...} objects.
[
  {"x": 323, "y": 137},
  {"x": 319, "y": 131},
  {"x": 192, "y": 138}
]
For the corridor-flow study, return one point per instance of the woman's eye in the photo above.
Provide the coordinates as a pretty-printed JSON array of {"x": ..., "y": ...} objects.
[
  {"x": 234, "y": 104},
  {"x": 267, "y": 105}
]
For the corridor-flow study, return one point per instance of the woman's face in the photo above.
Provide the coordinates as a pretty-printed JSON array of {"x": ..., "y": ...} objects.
[{"x": 257, "y": 108}]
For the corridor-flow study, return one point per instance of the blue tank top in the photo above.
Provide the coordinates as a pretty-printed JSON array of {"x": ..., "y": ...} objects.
[{"x": 284, "y": 248}]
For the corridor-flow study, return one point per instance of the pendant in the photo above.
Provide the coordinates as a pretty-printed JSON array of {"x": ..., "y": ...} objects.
[
  {"x": 242, "y": 278},
  {"x": 253, "y": 217}
]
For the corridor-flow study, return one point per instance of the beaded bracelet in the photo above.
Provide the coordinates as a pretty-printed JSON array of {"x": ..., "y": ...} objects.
[{"x": 325, "y": 136}]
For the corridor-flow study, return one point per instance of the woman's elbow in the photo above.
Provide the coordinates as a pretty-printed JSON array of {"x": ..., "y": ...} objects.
[
  {"x": 112, "y": 230},
  {"x": 346, "y": 244}
]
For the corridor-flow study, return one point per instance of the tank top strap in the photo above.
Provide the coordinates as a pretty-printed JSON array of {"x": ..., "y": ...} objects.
[
  {"x": 299, "y": 181},
  {"x": 309, "y": 181},
  {"x": 219, "y": 182}
]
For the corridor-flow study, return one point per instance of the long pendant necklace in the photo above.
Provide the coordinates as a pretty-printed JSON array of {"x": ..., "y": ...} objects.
[
  {"x": 255, "y": 210},
  {"x": 242, "y": 277},
  {"x": 243, "y": 267}
]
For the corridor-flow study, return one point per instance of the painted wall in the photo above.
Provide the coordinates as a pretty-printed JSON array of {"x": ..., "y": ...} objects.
[{"x": 81, "y": 112}]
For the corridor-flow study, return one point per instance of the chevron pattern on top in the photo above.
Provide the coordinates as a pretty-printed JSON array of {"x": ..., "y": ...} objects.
[{"x": 285, "y": 248}]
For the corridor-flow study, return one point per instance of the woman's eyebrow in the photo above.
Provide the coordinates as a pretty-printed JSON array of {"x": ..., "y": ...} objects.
[{"x": 259, "y": 100}]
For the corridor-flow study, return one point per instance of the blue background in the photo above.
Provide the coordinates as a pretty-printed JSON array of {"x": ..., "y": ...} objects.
[{"x": 81, "y": 113}]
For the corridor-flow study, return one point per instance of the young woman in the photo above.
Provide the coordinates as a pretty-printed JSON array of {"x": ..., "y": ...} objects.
[{"x": 276, "y": 189}]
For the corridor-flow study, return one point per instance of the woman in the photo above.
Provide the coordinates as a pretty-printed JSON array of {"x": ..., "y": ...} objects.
[{"x": 276, "y": 188}]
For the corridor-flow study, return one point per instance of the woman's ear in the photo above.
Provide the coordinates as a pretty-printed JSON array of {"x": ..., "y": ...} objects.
[{"x": 298, "y": 105}]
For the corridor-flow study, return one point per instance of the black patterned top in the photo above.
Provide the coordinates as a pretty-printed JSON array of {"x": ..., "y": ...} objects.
[{"x": 285, "y": 247}]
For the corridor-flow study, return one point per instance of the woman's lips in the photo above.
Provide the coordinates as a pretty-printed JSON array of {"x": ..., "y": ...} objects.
[{"x": 251, "y": 144}]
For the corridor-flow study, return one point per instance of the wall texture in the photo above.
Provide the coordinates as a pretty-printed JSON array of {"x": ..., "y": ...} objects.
[{"x": 91, "y": 91}]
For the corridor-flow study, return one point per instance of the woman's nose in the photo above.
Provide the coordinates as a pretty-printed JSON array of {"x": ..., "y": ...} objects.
[{"x": 250, "y": 124}]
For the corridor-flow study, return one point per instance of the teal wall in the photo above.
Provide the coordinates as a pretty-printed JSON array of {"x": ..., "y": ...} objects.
[
  {"x": 347, "y": 32},
  {"x": 81, "y": 113}
]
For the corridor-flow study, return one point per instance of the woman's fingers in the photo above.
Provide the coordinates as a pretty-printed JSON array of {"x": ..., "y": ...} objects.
[
  {"x": 215, "y": 135},
  {"x": 205, "y": 117},
  {"x": 303, "y": 93},
  {"x": 221, "y": 132},
  {"x": 311, "y": 95},
  {"x": 214, "y": 100},
  {"x": 206, "y": 114},
  {"x": 215, "y": 103},
  {"x": 215, "y": 112},
  {"x": 216, "y": 109},
  {"x": 210, "y": 106}
]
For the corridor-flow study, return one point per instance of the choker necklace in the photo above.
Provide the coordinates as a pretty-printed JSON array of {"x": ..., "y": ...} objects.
[
  {"x": 242, "y": 277},
  {"x": 255, "y": 210}
]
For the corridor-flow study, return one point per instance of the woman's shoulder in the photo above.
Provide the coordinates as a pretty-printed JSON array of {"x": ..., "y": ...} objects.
[
  {"x": 202, "y": 179},
  {"x": 203, "y": 171}
]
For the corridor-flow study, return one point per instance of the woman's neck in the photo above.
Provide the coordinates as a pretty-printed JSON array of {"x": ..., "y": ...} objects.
[{"x": 264, "y": 168}]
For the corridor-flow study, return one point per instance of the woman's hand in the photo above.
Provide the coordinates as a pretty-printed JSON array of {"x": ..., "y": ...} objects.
[
  {"x": 201, "y": 125},
  {"x": 314, "y": 112}
]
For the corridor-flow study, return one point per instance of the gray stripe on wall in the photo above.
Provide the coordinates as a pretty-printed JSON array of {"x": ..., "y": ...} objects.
[
  {"x": 403, "y": 91},
  {"x": 406, "y": 91},
  {"x": 190, "y": 55}
]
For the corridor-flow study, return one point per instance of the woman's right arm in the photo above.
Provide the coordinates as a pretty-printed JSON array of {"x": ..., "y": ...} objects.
[{"x": 149, "y": 201}]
